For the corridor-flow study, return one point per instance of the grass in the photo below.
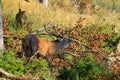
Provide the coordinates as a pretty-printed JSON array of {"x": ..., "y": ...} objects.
[
  {"x": 12, "y": 64},
  {"x": 66, "y": 15},
  {"x": 60, "y": 13},
  {"x": 113, "y": 5},
  {"x": 40, "y": 15}
]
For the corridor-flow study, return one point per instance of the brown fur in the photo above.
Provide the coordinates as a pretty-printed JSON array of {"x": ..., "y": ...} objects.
[{"x": 46, "y": 48}]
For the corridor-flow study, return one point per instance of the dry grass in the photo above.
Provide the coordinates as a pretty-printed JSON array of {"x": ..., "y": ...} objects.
[
  {"x": 66, "y": 15},
  {"x": 40, "y": 15}
]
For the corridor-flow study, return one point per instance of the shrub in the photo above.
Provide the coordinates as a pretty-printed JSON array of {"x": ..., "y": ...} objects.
[
  {"x": 12, "y": 64},
  {"x": 87, "y": 68}
]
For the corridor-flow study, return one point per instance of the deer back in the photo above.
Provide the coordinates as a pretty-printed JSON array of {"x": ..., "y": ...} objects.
[
  {"x": 50, "y": 47},
  {"x": 45, "y": 46}
]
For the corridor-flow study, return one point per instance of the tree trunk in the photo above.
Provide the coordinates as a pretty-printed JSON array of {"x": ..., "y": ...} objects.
[
  {"x": 1, "y": 30},
  {"x": 45, "y": 2}
]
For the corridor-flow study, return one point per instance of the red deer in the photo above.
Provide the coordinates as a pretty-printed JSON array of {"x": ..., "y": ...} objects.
[{"x": 32, "y": 43}]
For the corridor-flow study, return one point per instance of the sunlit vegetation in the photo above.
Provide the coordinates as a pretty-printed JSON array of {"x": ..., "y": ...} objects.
[{"x": 94, "y": 24}]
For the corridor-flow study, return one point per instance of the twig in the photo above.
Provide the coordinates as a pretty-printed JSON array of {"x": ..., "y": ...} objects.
[
  {"x": 31, "y": 57},
  {"x": 17, "y": 77}
]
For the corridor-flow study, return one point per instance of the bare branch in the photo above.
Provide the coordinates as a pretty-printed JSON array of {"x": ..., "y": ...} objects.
[
  {"x": 17, "y": 77},
  {"x": 31, "y": 57}
]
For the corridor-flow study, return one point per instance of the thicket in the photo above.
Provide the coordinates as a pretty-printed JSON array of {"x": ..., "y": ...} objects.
[{"x": 96, "y": 32}]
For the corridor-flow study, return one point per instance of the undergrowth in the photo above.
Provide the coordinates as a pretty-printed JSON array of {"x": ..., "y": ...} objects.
[
  {"x": 10, "y": 62},
  {"x": 85, "y": 69},
  {"x": 96, "y": 30}
]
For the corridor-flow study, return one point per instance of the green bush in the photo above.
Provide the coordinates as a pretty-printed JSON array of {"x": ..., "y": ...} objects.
[
  {"x": 12, "y": 64},
  {"x": 85, "y": 69}
]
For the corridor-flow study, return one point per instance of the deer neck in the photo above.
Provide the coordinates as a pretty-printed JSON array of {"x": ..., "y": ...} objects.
[{"x": 58, "y": 45}]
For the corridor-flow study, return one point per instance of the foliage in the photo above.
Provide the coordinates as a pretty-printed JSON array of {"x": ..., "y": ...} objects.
[
  {"x": 85, "y": 69},
  {"x": 95, "y": 30},
  {"x": 8, "y": 62},
  {"x": 11, "y": 63},
  {"x": 97, "y": 38}
]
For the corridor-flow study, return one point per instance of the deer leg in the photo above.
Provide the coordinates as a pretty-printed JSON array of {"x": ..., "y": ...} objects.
[{"x": 50, "y": 59}]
